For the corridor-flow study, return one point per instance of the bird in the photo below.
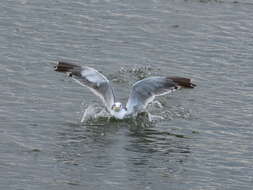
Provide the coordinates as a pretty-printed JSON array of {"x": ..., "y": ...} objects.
[{"x": 143, "y": 92}]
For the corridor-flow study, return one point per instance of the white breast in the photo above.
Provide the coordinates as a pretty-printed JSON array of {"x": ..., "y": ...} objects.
[{"x": 119, "y": 115}]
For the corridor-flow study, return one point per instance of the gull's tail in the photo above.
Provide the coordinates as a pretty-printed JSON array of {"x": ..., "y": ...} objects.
[
  {"x": 183, "y": 82},
  {"x": 68, "y": 68}
]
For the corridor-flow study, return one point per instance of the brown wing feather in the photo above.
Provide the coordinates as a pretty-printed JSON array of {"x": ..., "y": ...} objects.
[
  {"x": 183, "y": 82},
  {"x": 65, "y": 67}
]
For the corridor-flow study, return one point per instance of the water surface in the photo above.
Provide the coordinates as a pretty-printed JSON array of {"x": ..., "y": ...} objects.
[{"x": 205, "y": 142}]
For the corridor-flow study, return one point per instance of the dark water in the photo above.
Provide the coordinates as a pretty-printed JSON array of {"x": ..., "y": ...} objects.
[{"x": 205, "y": 142}]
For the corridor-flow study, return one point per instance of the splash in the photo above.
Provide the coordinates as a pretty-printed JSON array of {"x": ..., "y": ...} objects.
[
  {"x": 94, "y": 115},
  {"x": 94, "y": 112},
  {"x": 124, "y": 75},
  {"x": 177, "y": 112},
  {"x": 138, "y": 72}
]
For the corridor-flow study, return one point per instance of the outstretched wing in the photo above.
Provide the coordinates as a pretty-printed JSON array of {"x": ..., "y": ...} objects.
[
  {"x": 144, "y": 91},
  {"x": 91, "y": 78}
]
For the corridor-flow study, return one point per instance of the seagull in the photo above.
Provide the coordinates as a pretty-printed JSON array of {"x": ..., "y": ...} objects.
[{"x": 143, "y": 92}]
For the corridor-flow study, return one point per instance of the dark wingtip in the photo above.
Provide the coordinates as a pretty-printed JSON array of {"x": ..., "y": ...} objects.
[
  {"x": 64, "y": 67},
  {"x": 183, "y": 82},
  {"x": 56, "y": 67},
  {"x": 69, "y": 68},
  {"x": 60, "y": 67},
  {"x": 193, "y": 85}
]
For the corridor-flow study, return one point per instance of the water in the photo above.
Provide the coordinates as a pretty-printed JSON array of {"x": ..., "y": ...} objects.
[{"x": 205, "y": 142}]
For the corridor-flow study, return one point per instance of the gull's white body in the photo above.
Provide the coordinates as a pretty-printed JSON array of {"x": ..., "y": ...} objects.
[
  {"x": 143, "y": 92},
  {"x": 120, "y": 114}
]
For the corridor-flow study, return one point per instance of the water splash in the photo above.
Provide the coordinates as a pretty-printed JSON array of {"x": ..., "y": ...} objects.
[
  {"x": 124, "y": 75},
  {"x": 177, "y": 112},
  {"x": 94, "y": 112},
  {"x": 94, "y": 115}
]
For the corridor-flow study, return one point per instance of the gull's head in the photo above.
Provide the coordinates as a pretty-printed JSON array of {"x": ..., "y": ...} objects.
[{"x": 117, "y": 106}]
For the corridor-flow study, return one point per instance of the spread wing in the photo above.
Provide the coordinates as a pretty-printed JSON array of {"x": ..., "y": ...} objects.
[
  {"x": 91, "y": 78},
  {"x": 144, "y": 91}
]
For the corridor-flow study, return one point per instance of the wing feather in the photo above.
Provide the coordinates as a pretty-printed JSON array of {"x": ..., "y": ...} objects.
[
  {"x": 91, "y": 78},
  {"x": 144, "y": 91}
]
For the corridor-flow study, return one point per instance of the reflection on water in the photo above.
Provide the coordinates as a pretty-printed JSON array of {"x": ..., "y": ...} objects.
[{"x": 121, "y": 148}]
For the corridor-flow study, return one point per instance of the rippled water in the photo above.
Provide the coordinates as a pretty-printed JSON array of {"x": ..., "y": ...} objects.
[{"x": 205, "y": 142}]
